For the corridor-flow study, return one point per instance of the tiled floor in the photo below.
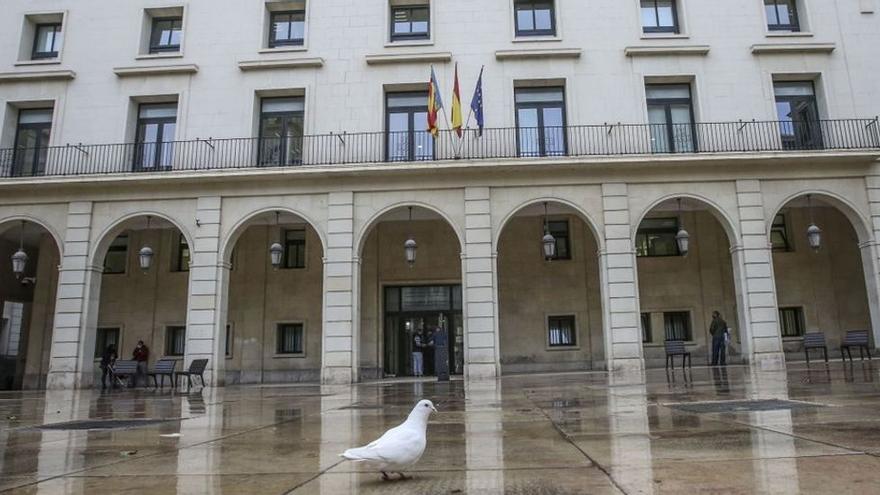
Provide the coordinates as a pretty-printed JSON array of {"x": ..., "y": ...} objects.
[{"x": 563, "y": 433}]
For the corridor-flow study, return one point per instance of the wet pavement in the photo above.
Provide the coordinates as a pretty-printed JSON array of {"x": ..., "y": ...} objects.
[{"x": 734, "y": 430}]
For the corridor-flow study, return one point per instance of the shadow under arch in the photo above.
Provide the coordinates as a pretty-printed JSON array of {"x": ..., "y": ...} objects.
[
  {"x": 860, "y": 224},
  {"x": 580, "y": 212},
  {"x": 235, "y": 233},
  {"x": 714, "y": 208},
  {"x": 11, "y": 222},
  {"x": 119, "y": 225},
  {"x": 364, "y": 232}
]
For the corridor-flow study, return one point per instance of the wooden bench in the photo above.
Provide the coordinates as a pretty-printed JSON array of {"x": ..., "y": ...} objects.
[
  {"x": 163, "y": 368},
  {"x": 815, "y": 340},
  {"x": 196, "y": 368},
  {"x": 676, "y": 348},
  {"x": 123, "y": 369},
  {"x": 855, "y": 338}
]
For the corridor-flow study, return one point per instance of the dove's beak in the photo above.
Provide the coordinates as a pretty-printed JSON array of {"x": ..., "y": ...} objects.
[{"x": 433, "y": 408}]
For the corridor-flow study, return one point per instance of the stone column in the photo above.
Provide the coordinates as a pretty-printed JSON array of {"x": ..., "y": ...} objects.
[
  {"x": 871, "y": 252},
  {"x": 620, "y": 305},
  {"x": 71, "y": 360},
  {"x": 480, "y": 290},
  {"x": 755, "y": 283},
  {"x": 208, "y": 281},
  {"x": 339, "y": 361}
]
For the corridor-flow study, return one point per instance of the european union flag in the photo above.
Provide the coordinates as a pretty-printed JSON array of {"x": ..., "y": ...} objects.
[{"x": 477, "y": 103}]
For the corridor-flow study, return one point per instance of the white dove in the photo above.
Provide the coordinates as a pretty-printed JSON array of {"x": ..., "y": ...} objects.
[{"x": 400, "y": 447}]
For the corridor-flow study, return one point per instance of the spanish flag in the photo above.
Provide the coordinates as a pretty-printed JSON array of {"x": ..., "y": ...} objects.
[
  {"x": 435, "y": 104},
  {"x": 456, "y": 105}
]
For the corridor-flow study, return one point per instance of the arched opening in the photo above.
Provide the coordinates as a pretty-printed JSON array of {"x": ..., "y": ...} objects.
[
  {"x": 683, "y": 279},
  {"x": 550, "y": 307},
  {"x": 409, "y": 296},
  {"x": 274, "y": 312},
  {"x": 143, "y": 295},
  {"x": 28, "y": 287},
  {"x": 820, "y": 282}
]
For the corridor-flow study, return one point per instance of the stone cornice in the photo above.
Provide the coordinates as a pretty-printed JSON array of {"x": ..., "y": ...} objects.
[
  {"x": 777, "y": 48},
  {"x": 542, "y": 53},
  {"x": 281, "y": 63},
  {"x": 156, "y": 70},
  {"x": 408, "y": 58},
  {"x": 37, "y": 75},
  {"x": 665, "y": 50}
]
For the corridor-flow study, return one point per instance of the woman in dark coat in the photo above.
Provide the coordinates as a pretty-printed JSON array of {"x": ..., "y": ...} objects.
[{"x": 107, "y": 360}]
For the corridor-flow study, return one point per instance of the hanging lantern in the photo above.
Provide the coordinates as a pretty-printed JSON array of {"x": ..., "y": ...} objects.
[
  {"x": 409, "y": 250},
  {"x": 276, "y": 253},
  {"x": 682, "y": 238},
  {"x": 145, "y": 258},
  {"x": 548, "y": 242},
  {"x": 20, "y": 258},
  {"x": 814, "y": 236}
]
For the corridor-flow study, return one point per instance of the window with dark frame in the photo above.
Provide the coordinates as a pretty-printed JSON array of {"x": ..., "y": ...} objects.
[
  {"x": 47, "y": 41},
  {"x": 175, "y": 341},
  {"x": 406, "y": 124},
  {"x": 154, "y": 136},
  {"x": 647, "y": 336},
  {"x": 287, "y": 28},
  {"x": 116, "y": 259},
  {"x": 182, "y": 254},
  {"x": 410, "y": 22},
  {"x": 106, "y": 337},
  {"x": 779, "y": 234},
  {"x": 656, "y": 237},
  {"x": 281, "y": 131},
  {"x": 535, "y": 18},
  {"x": 791, "y": 321},
  {"x": 165, "y": 34},
  {"x": 678, "y": 325},
  {"x": 561, "y": 331},
  {"x": 294, "y": 248},
  {"x": 798, "y": 114},
  {"x": 289, "y": 339},
  {"x": 782, "y": 15},
  {"x": 659, "y": 16},
  {"x": 671, "y": 118},
  {"x": 540, "y": 121},
  {"x": 32, "y": 133},
  {"x": 559, "y": 230}
]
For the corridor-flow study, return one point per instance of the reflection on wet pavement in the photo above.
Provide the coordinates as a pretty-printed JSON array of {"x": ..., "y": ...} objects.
[{"x": 734, "y": 430}]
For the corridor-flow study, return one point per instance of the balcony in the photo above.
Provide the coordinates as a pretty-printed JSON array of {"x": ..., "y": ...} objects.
[{"x": 494, "y": 144}]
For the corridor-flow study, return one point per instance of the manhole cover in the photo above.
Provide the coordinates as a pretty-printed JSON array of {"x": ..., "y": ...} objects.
[
  {"x": 732, "y": 406},
  {"x": 102, "y": 424}
]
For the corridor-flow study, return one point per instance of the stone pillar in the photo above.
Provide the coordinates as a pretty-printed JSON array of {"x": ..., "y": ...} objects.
[
  {"x": 480, "y": 288},
  {"x": 755, "y": 284},
  {"x": 620, "y": 305},
  {"x": 71, "y": 361},
  {"x": 339, "y": 361},
  {"x": 208, "y": 289}
]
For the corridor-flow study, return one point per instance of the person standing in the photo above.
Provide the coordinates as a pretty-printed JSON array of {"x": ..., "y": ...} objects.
[
  {"x": 718, "y": 330},
  {"x": 107, "y": 360},
  {"x": 141, "y": 354},
  {"x": 417, "y": 361}
]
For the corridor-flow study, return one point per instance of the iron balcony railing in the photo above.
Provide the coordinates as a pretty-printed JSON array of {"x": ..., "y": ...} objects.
[{"x": 495, "y": 143}]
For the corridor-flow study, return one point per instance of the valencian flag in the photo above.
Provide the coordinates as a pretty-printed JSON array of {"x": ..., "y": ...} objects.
[
  {"x": 477, "y": 103},
  {"x": 456, "y": 105},
  {"x": 435, "y": 104}
]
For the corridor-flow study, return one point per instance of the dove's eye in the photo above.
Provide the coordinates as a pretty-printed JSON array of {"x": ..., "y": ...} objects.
[{"x": 426, "y": 405}]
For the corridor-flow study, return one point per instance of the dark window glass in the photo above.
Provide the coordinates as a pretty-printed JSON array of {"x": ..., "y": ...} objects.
[
  {"x": 228, "y": 340},
  {"x": 678, "y": 325},
  {"x": 288, "y": 28},
  {"x": 281, "y": 131},
  {"x": 798, "y": 115},
  {"x": 175, "y": 341},
  {"x": 294, "y": 248},
  {"x": 540, "y": 121},
  {"x": 290, "y": 338},
  {"x": 535, "y": 18},
  {"x": 656, "y": 237},
  {"x": 182, "y": 256},
  {"x": 104, "y": 338},
  {"x": 561, "y": 331},
  {"x": 779, "y": 234},
  {"x": 782, "y": 15},
  {"x": 406, "y": 126},
  {"x": 32, "y": 142},
  {"x": 646, "y": 328},
  {"x": 410, "y": 22},
  {"x": 559, "y": 230},
  {"x": 116, "y": 259},
  {"x": 671, "y": 115},
  {"x": 166, "y": 34},
  {"x": 659, "y": 16},
  {"x": 154, "y": 140},
  {"x": 47, "y": 41},
  {"x": 791, "y": 320}
]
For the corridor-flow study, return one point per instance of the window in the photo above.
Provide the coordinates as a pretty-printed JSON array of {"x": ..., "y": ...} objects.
[
  {"x": 182, "y": 255},
  {"x": 406, "y": 124},
  {"x": 154, "y": 140},
  {"x": 175, "y": 341},
  {"x": 410, "y": 22},
  {"x": 166, "y": 34},
  {"x": 779, "y": 234},
  {"x": 116, "y": 259},
  {"x": 106, "y": 337},
  {"x": 281, "y": 131},
  {"x": 288, "y": 28},
  {"x": 782, "y": 15},
  {"x": 656, "y": 237},
  {"x": 559, "y": 230},
  {"x": 535, "y": 18},
  {"x": 32, "y": 142},
  {"x": 647, "y": 338},
  {"x": 791, "y": 320},
  {"x": 678, "y": 325},
  {"x": 798, "y": 115},
  {"x": 294, "y": 248},
  {"x": 47, "y": 41},
  {"x": 290, "y": 338},
  {"x": 228, "y": 340},
  {"x": 561, "y": 331},
  {"x": 671, "y": 117},
  {"x": 659, "y": 16},
  {"x": 540, "y": 121}
]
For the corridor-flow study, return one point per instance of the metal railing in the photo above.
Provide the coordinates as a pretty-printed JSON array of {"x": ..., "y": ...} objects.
[{"x": 495, "y": 143}]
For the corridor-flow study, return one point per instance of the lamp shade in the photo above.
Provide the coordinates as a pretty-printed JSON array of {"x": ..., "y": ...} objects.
[
  {"x": 276, "y": 252},
  {"x": 409, "y": 249},
  {"x": 19, "y": 262},
  {"x": 549, "y": 244},
  {"x": 683, "y": 240},
  {"x": 145, "y": 258},
  {"x": 814, "y": 236}
]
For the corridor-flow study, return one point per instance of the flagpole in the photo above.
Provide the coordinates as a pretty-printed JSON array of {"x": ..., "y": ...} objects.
[{"x": 467, "y": 124}]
